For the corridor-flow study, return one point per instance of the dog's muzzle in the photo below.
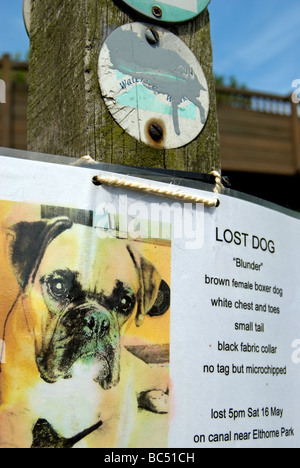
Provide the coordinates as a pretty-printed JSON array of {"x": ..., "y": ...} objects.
[{"x": 89, "y": 334}]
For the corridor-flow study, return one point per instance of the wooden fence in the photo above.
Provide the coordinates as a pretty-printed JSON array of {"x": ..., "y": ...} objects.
[
  {"x": 13, "y": 114},
  {"x": 259, "y": 132}
]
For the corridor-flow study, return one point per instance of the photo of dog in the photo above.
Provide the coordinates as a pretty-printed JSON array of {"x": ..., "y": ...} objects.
[{"x": 85, "y": 325}]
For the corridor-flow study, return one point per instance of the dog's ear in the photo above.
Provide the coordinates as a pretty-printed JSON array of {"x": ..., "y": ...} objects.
[
  {"x": 162, "y": 302},
  {"x": 29, "y": 243},
  {"x": 154, "y": 295}
]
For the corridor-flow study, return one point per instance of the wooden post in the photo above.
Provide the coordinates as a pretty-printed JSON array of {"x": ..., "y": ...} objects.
[
  {"x": 67, "y": 114},
  {"x": 6, "y": 108}
]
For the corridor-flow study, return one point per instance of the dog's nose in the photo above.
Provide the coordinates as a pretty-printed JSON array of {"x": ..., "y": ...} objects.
[{"x": 93, "y": 323}]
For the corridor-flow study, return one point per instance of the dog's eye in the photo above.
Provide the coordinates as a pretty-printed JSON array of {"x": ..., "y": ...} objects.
[
  {"x": 126, "y": 305},
  {"x": 58, "y": 288},
  {"x": 61, "y": 287}
]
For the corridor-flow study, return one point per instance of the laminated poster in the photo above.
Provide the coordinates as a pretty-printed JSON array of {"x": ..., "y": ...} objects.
[{"x": 129, "y": 320}]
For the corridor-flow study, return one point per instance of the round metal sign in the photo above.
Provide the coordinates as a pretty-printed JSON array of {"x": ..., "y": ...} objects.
[
  {"x": 27, "y": 15},
  {"x": 153, "y": 85},
  {"x": 170, "y": 11}
]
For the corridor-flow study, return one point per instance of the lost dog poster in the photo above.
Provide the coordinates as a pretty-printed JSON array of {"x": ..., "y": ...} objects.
[{"x": 130, "y": 320}]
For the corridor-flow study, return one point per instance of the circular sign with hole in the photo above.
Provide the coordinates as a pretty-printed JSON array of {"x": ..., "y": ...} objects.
[
  {"x": 169, "y": 11},
  {"x": 153, "y": 85}
]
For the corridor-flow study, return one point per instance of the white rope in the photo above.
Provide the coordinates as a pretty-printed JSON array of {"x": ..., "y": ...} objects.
[
  {"x": 219, "y": 187},
  {"x": 167, "y": 192}
]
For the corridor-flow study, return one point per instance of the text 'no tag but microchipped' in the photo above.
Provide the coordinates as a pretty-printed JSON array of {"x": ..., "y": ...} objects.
[
  {"x": 169, "y": 11},
  {"x": 153, "y": 85}
]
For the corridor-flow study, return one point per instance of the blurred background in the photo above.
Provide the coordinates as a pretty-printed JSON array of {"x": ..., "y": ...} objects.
[{"x": 257, "y": 75}]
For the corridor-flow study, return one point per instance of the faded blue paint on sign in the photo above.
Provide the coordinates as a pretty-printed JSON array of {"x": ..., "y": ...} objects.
[
  {"x": 144, "y": 98},
  {"x": 160, "y": 70},
  {"x": 172, "y": 11}
]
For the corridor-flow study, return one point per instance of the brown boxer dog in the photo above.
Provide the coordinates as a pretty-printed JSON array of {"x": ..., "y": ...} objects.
[{"x": 67, "y": 377}]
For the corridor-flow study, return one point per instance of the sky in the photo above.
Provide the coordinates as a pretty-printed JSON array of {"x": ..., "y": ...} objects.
[{"x": 255, "y": 41}]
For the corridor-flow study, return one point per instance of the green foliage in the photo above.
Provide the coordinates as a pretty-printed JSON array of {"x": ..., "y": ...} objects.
[
  {"x": 18, "y": 76},
  {"x": 231, "y": 99},
  {"x": 231, "y": 82}
]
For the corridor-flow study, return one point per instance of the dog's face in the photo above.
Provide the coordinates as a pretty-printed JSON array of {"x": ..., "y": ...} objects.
[{"x": 79, "y": 291}]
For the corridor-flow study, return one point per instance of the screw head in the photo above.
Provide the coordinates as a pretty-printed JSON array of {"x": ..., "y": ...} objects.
[
  {"x": 157, "y": 11},
  {"x": 156, "y": 131},
  {"x": 152, "y": 36}
]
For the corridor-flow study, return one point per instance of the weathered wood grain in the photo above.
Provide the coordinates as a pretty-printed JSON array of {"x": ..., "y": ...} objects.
[{"x": 66, "y": 113}]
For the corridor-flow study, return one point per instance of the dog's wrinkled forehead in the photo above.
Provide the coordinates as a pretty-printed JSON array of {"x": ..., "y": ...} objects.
[{"x": 98, "y": 262}]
